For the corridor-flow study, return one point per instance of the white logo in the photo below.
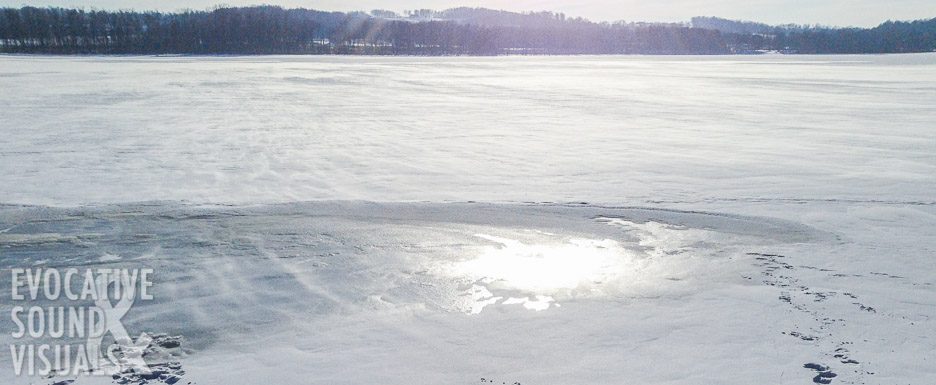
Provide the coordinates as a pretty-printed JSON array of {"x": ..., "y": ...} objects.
[{"x": 49, "y": 338}]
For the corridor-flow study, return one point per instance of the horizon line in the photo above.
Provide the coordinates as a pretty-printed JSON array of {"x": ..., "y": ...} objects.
[{"x": 403, "y": 14}]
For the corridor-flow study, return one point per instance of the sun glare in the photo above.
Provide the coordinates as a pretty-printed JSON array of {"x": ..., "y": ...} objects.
[{"x": 544, "y": 268}]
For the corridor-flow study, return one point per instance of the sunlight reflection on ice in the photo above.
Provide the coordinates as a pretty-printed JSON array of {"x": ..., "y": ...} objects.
[
  {"x": 541, "y": 268},
  {"x": 536, "y": 271},
  {"x": 540, "y": 271}
]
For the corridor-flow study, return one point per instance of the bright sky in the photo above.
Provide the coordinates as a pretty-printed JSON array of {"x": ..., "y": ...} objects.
[{"x": 826, "y": 12}]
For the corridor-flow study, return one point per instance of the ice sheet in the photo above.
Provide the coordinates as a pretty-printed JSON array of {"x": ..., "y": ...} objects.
[
  {"x": 612, "y": 130},
  {"x": 313, "y": 220}
]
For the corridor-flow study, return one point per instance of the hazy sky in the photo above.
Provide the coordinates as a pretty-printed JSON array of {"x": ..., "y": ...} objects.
[{"x": 828, "y": 12}]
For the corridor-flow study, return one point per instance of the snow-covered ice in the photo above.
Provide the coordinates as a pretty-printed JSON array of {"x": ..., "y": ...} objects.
[
  {"x": 616, "y": 130},
  {"x": 538, "y": 220}
]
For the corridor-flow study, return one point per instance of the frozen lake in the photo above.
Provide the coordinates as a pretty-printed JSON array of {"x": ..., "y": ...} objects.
[
  {"x": 601, "y": 129},
  {"x": 539, "y": 220}
]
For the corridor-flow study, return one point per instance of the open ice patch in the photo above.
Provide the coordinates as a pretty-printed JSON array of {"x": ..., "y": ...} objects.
[
  {"x": 544, "y": 267},
  {"x": 539, "y": 270},
  {"x": 533, "y": 272}
]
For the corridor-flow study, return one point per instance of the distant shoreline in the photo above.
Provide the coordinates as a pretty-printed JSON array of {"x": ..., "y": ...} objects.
[{"x": 271, "y": 30}]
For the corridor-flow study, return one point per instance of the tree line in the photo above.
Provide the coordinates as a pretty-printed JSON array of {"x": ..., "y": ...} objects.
[
  {"x": 889, "y": 37},
  {"x": 459, "y": 31}
]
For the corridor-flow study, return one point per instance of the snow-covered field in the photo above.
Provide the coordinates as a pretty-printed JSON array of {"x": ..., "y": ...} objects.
[{"x": 532, "y": 220}]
